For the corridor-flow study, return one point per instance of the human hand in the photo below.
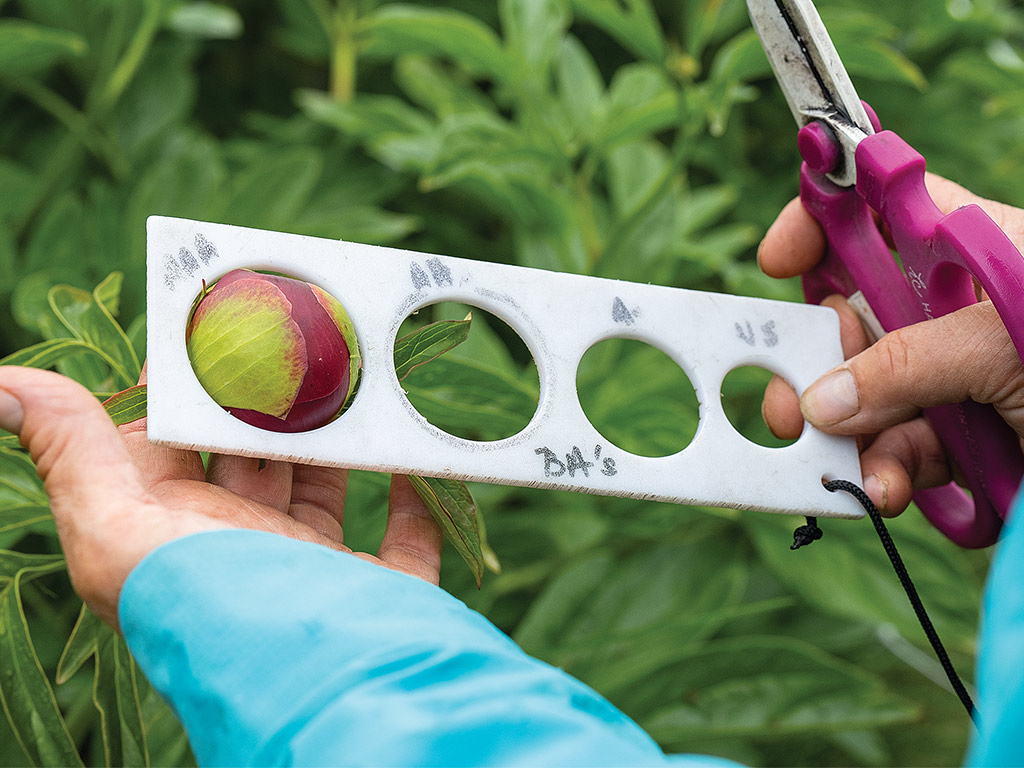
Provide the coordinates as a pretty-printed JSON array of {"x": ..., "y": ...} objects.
[
  {"x": 116, "y": 497},
  {"x": 878, "y": 393}
]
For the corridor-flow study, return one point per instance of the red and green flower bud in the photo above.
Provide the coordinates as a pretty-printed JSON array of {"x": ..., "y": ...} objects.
[{"x": 275, "y": 352}]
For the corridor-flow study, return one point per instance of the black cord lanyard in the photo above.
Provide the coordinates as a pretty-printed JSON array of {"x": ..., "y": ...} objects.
[{"x": 810, "y": 532}]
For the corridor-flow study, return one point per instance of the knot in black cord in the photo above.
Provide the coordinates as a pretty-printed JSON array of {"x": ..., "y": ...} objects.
[{"x": 807, "y": 534}]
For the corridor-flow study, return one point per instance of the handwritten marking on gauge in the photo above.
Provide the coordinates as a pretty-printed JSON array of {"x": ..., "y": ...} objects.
[
  {"x": 745, "y": 333},
  {"x": 607, "y": 463},
  {"x": 206, "y": 250},
  {"x": 439, "y": 271},
  {"x": 441, "y": 274},
  {"x": 621, "y": 313},
  {"x": 574, "y": 462},
  {"x": 172, "y": 271},
  {"x": 187, "y": 260},
  {"x": 419, "y": 277},
  {"x": 185, "y": 264}
]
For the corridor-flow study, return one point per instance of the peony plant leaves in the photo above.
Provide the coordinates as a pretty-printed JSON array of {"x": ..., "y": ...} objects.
[
  {"x": 46, "y": 354},
  {"x": 115, "y": 691},
  {"x": 84, "y": 339},
  {"x": 89, "y": 317},
  {"x": 741, "y": 686},
  {"x": 27, "y": 48},
  {"x": 429, "y": 343},
  {"x": 454, "y": 510},
  {"x": 27, "y": 696},
  {"x": 127, "y": 406}
]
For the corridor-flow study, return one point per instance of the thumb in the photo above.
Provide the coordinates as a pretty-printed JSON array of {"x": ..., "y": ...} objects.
[
  {"x": 73, "y": 443},
  {"x": 964, "y": 355},
  {"x": 93, "y": 486}
]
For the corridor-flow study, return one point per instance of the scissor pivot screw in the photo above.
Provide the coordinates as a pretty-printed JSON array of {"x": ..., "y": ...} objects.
[{"x": 818, "y": 147}]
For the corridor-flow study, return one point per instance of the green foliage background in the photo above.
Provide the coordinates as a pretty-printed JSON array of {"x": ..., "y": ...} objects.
[{"x": 636, "y": 139}]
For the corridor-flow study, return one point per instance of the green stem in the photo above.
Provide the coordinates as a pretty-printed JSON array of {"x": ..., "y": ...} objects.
[
  {"x": 343, "y": 52},
  {"x": 107, "y": 53},
  {"x": 77, "y": 123},
  {"x": 589, "y": 232},
  {"x": 132, "y": 57},
  {"x": 339, "y": 24}
]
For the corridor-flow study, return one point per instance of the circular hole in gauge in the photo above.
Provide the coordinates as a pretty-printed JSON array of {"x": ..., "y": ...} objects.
[
  {"x": 275, "y": 352},
  {"x": 637, "y": 397},
  {"x": 742, "y": 394},
  {"x": 466, "y": 371}
]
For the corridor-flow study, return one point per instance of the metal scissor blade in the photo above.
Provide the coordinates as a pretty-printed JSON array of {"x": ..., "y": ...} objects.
[{"x": 811, "y": 74}]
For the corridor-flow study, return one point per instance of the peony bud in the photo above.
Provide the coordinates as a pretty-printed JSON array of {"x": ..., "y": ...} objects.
[{"x": 277, "y": 353}]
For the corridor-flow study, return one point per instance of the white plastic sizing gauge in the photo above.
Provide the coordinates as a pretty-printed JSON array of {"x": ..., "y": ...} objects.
[{"x": 559, "y": 317}]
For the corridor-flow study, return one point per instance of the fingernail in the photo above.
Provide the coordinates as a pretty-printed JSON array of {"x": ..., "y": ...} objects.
[
  {"x": 878, "y": 490},
  {"x": 11, "y": 414},
  {"x": 831, "y": 399}
]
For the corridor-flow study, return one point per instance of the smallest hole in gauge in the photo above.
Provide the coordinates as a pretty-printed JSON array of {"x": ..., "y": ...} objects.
[{"x": 743, "y": 391}]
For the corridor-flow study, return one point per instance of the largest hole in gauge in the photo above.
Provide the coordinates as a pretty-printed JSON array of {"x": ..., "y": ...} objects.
[
  {"x": 637, "y": 397},
  {"x": 273, "y": 351},
  {"x": 466, "y": 371}
]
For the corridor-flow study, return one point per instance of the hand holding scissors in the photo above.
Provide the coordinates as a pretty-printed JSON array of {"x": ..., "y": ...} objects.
[{"x": 849, "y": 170}]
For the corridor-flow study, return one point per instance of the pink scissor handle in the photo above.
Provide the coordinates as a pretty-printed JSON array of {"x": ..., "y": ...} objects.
[
  {"x": 980, "y": 442},
  {"x": 940, "y": 253}
]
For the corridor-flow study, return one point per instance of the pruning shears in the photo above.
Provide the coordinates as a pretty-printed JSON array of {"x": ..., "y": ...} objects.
[{"x": 853, "y": 170}]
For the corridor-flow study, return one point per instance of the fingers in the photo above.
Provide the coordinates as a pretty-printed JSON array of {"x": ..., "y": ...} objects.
[
  {"x": 318, "y": 499},
  {"x": 780, "y": 409},
  {"x": 793, "y": 244},
  {"x": 781, "y": 406},
  {"x": 852, "y": 335},
  {"x": 94, "y": 488},
  {"x": 963, "y": 355},
  {"x": 265, "y": 482},
  {"x": 412, "y": 540},
  {"x": 878, "y": 393},
  {"x": 72, "y": 441},
  {"x": 900, "y": 460},
  {"x": 312, "y": 496},
  {"x": 949, "y": 196}
]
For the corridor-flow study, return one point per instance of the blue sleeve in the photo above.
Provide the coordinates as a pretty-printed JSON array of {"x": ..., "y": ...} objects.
[
  {"x": 278, "y": 652},
  {"x": 1000, "y": 676}
]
